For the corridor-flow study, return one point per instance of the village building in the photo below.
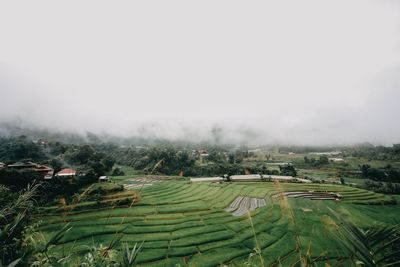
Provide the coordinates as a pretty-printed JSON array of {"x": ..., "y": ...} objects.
[
  {"x": 66, "y": 173},
  {"x": 103, "y": 179},
  {"x": 49, "y": 175},
  {"x": 331, "y": 153},
  {"x": 23, "y": 165},
  {"x": 253, "y": 150},
  {"x": 2, "y": 165},
  {"x": 336, "y": 159},
  {"x": 45, "y": 172}
]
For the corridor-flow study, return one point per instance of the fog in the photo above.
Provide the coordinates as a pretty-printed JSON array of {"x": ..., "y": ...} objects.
[{"x": 293, "y": 72}]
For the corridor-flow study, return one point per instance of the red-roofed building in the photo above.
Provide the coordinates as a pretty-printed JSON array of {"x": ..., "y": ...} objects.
[
  {"x": 66, "y": 173},
  {"x": 43, "y": 169},
  {"x": 45, "y": 172}
]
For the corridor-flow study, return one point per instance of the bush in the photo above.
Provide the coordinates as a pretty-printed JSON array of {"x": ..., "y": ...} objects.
[
  {"x": 55, "y": 189},
  {"x": 15, "y": 216},
  {"x": 89, "y": 178},
  {"x": 288, "y": 170},
  {"x": 105, "y": 188},
  {"x": 125, "y": 201},
  {"x": 385, "y": 188},
  {"x": 17, "y": 180},
  {"x": 117, "y": 172}
]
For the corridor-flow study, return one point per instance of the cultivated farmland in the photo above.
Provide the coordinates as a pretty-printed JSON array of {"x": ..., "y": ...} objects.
[{"x": 208, "y": 224}]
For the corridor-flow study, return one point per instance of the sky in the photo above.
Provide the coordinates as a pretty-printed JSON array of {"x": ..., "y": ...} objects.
[{"x": 295, "y": 72}]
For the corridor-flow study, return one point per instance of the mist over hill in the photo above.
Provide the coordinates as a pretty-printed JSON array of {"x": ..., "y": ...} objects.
[
  {"x": 264, "y": 74},
  {"x": 216, "y": 136}
]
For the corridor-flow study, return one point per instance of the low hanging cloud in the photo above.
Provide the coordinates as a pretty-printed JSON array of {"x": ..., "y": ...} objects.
[{"x": 296, "y": 72}]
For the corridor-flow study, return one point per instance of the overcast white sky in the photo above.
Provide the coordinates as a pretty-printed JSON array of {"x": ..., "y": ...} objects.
[{"x": 310, "y": 72}]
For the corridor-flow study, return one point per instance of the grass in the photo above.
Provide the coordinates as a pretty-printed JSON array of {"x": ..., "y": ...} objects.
[
  {"x": 185, "y": 223},
  {"x": 218, "y": 256}
]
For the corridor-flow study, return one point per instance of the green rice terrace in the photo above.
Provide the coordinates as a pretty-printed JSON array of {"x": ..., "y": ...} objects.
[{"x": 211, "y": 224}]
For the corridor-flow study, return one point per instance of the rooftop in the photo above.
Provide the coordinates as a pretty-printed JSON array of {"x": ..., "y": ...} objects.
[{"x": 66, "y": 172}]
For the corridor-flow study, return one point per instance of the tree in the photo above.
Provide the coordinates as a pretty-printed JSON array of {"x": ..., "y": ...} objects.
[
  {"x": 108, "y": 163},
  {"x": 231, "y": 158},
  {"x": 56, "y": 165},
  {"x": 84, "y": 154},
  {"x": 98, "y": 167},
  {"x": 20, "y": 148},
  {"x": 323, "y": 160},
  {"x": 117, "y": 172},
  {"x": 90, "y": 177},
  {"x": 288, "y": 170},
  {"x": 365, "y": 170}
]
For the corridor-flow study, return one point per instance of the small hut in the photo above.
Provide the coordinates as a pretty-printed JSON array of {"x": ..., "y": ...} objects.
[{"x": 103, "y": 179}]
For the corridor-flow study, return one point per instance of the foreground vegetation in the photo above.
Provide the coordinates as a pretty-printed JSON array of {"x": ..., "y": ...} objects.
[{"x": 183, "y": 223}]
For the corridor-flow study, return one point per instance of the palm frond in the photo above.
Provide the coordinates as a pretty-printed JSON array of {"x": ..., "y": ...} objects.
[
  {"x": 129, "y": 256},
  {"x": 371, "y": 246},
  {"x": 54, "y": 240}
]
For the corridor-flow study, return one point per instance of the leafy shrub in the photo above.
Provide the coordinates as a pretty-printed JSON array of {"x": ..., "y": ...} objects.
[
  {"x": 15, "y": 216},
  {"x": 17, "y": 180},
  {"x": 125, "y": 201},
  {"x": 117, "y": 172}
]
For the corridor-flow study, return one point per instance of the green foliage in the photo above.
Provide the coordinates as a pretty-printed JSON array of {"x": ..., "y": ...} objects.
[
  {"x": 288, "y": 170},
  {"x": 216, "y": 156},
  {"x": 117, "y": 172},
  {"x": 15, "y": 216},
  {"x": 51, "y": 191},
  {"x": 388, "y": 173},
  {"x": 97, "y": 255},
  {"x": 44, "y": 247},
  {"x": 385, "y": 188},
  {"x": 105, "y": 188},
  {"x": 56, "y": 165},
  {"x": 371, "y": 152},
  {"x": 375, "y": 246},
  {"x": 129, "y": 256},
  {"x": 323, "y": 160},
  {"x": 124, "y": 201},
  {"x": 254, "y": 258},
  {"x": 173, "y": 160},
  {"x": 90, "y": 177},
  {"x": 19, "y": 148},
  {"x": 17, "y": 179},
  {"x": 84, "y": 154},
  {"x": 12, "y": 264},
  {"x": 108, "y": 163},
  {"x": 6, "y": 195}
]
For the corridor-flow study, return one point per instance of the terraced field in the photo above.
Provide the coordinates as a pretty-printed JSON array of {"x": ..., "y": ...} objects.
[{"x": 190, "y": 224}]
